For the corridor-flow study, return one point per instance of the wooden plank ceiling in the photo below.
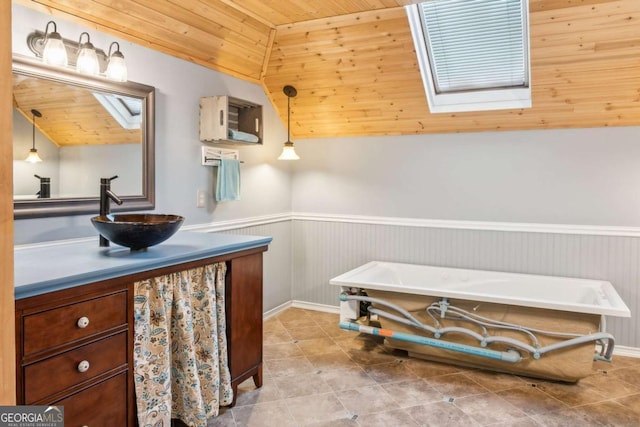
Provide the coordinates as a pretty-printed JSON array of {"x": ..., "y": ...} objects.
[
  {"x": 354, "y": 64},
  {"x": 70, "y": 115}
]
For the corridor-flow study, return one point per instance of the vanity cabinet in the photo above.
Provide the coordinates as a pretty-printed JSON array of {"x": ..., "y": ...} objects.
[
  {"x": 74, "y": 349},
  {"x": 243, "y": 305},
  {"x": 75, "y": 346}
]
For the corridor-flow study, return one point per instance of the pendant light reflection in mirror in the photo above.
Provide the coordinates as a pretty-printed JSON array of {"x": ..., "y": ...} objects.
[{"x": 33, "y": 156}]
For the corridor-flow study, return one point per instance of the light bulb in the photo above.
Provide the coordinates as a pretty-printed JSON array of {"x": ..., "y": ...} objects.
[
  {"x": 117, "y": 69},
  {"x": 87, "y": 61},
  {"x": 54, "y": 52}
]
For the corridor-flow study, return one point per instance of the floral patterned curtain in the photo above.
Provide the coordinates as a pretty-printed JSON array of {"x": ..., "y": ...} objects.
[{"x": 180, "y": 347}]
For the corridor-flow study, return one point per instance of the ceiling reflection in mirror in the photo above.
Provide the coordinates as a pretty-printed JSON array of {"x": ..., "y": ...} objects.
[{"x": 89, "y": 128}]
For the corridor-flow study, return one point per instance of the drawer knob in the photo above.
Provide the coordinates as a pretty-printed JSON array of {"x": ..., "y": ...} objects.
[
  {"x": 83, "y": 366},
  {"x": 83, "y": 322}
]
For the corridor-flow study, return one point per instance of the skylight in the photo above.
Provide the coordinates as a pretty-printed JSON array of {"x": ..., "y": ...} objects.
[
  {"x": 473, "y": 54},
  {"x": 125, "y": 110}
]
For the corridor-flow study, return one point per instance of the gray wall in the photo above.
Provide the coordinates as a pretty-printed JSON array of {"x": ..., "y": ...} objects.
[{"x": 574, "y": 176}]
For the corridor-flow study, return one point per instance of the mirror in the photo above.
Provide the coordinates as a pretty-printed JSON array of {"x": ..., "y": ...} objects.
[{"x": 84, "y": 128}]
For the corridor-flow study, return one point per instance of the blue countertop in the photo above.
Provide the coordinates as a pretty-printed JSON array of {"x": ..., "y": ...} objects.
[{"x": 50, "y": 267}]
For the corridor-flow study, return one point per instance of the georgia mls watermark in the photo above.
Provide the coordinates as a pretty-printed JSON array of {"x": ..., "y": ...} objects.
[{"x": 31, "y": 416}]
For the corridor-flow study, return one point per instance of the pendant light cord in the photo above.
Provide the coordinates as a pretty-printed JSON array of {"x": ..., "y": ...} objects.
[
  {"x": 33, "y": 136},
  {"x": 288, "y": 118}
]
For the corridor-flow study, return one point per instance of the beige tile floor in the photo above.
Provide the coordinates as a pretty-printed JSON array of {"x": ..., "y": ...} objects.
[{"x": 318, "y": 375}]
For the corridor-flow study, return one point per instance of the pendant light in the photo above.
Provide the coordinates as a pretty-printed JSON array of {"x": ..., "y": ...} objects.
[
  {"x": 116, "y": 68},
  {"x": 54, "y": 52},
  {"x": 87, "y": 62},
  {"x": 288, "y": 152},
  {"x": 33, "y": 153}
]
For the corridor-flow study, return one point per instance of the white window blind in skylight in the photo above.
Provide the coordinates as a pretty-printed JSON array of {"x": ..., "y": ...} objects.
[{"x": 473, "y": 54}]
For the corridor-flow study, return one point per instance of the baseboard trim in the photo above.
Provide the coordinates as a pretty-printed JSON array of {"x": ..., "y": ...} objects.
[
  {"x": 276, "y": 310},
  {"x": 621, "y": 350},
  {"x": 315, "y": 307}
]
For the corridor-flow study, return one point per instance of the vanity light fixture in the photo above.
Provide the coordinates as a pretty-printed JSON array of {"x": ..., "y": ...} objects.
[
  {"x": 116, "y": 68},
  {"x": 87, "y": 62},
  {"x": 288, "y": 152},
  {"x": 81, "y": 55},
  {"x": 54, "y": 52},
  {"x": 33, "y": 153}
]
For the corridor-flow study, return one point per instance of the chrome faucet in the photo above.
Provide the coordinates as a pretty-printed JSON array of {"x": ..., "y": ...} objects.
[{"x": 105, "y": 207}]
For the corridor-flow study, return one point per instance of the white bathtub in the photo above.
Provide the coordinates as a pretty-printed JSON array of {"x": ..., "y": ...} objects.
[
  {"x": 539, "y": 326},
  {"x": 557, "y": 293}
]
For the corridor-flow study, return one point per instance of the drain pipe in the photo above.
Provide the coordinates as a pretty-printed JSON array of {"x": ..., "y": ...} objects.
[{"x": 510, "y": 356}]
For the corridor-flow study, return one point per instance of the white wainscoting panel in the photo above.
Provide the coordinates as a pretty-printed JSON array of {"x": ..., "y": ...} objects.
[{"x": 277, "y": 261}]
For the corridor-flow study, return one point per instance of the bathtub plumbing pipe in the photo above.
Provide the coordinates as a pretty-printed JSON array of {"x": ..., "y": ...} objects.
[
  {"x": 572, "y": 339},
  {"x": 510, "y": 356},
  {"x": 440, "y": 332},
  {"x": 437, "y": 332},
  {"x": 535, "y": 351},
  {"x": 444, "y": 305},
  {"x": 495, "y": 323},
  {"x": 413, "y": 320},
  {"x": 485, "y": 323}
]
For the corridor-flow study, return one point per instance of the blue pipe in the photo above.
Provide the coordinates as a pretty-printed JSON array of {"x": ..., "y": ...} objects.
[{"x": 510, "y": 356}]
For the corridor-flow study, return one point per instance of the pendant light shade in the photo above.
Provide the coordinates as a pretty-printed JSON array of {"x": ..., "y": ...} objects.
[
  {"x": 116, "y": 68},
  {"x": 288, "y": 152},
  {"x": 87, "y": 62},
  {"x": 33, "y": 156},
  {"x": 54, "y": 52}
]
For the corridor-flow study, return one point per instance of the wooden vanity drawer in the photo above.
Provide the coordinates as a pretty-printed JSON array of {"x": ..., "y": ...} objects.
[
  {"x": 61, "y": 325},
  {"x": 102, "y": 405},
  {"x": 57, "y": 373}
]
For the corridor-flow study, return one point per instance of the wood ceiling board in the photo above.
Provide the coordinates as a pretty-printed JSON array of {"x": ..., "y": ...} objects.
[
  {"x": 281, "y": 12},
  {"x": 550, "y": 5},
  {"x": 70, "y": 115}
]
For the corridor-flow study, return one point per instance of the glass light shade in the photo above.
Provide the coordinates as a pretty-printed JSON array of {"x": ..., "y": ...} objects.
[
  {"x": 288, "y": 152},
  {"x": 54, "y": 52},
  {"x": 33, "y": 156},
  {"x": 87, "y": 62},
  {"x": 117, "y": 69}
]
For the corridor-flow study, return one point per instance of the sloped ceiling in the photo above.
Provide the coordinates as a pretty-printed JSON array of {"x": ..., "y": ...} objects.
[
  {"x": 70, "y": 115},
  {"x": 355, "y": 68}
]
